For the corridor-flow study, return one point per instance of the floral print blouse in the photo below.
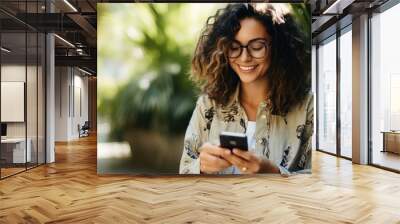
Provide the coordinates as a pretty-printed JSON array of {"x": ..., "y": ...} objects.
[{"x": 285, "y": 140}]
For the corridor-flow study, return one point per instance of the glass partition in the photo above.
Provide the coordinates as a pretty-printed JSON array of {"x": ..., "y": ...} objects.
[
  {"x": 14, "y": 154},
  {"x": 22, "y": 64}
]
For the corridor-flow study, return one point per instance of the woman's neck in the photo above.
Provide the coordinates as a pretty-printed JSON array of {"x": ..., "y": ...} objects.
[{"x": 252, "y": 94}]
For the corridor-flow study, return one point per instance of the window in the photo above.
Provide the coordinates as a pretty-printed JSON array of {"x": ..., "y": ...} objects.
[
  {"x": 314, "y": 90},
  {"x": 385, "y": 86},
  {"x": 327, "y": 96},
  {"x": 346, "y": 92}
]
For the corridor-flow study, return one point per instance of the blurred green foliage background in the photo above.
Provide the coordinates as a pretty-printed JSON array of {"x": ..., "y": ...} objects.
[{"x": 144, "y": 54}]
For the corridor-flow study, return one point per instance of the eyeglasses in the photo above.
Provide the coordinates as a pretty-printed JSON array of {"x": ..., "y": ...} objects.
[{"x": 256, "y": 48}]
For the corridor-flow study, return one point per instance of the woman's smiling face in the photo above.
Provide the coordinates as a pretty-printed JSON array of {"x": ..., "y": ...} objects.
[{"x": 250, "y": 69}]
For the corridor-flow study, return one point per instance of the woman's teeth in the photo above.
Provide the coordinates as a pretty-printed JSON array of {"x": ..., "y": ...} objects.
[{"x": 247, "y": 68}]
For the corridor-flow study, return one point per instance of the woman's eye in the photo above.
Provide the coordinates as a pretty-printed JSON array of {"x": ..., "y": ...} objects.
[
  {"x": 256, "y": 48},
  {"x": 234, "y": 47}
]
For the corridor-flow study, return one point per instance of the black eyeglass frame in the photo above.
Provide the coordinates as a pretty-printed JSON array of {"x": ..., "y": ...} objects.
[{"x": 266, "y": 43}]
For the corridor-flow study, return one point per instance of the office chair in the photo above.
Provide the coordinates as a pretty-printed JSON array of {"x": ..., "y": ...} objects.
[{"x": 84, "y": 130}]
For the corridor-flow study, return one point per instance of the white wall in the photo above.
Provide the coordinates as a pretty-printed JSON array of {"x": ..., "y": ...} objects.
[
  {"x": 13, "y": 100},
  {"x": 12, "y": 73},
  {"x": 71, "y": 94},
  {"x": 62, "y": 81}
]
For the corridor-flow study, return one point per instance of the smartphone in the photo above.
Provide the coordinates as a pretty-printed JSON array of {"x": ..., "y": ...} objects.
[{"x": 232, "y": 140}]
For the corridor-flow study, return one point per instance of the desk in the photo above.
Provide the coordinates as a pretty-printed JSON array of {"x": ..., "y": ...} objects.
[
  {"x": 13, "y": 150},
  {"x": 391, "y": 141}
]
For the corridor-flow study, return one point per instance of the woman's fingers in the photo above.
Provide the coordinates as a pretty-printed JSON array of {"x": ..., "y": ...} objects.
[
  {"x": 214, "y": 159},
  {"x": 245, "y": 155},
  {"x": 214, "y": 150},
  {"x": 212, "y": 167},
  {"x": 211, "y": 159},
  {"x": 235, "y": 160},
  {"x": 247, "y": 162}
]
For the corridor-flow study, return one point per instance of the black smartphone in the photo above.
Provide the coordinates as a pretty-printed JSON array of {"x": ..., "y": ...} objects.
[{"x": 232, "y": 140}]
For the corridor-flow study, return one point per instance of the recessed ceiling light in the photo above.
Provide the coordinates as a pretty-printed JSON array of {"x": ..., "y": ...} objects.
[
  {"x": 5, "y": 50},
  {"x": 71, "y": 6},
  {"x": 84, "y": 71},
  {"x": 64, "y": 40},
  {"x": 337, "y": 7}
]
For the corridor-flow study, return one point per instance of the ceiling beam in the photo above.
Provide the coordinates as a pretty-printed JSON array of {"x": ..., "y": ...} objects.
[
  {"x": 86, "y": 26},
  {"x": 81, "y": 61}
]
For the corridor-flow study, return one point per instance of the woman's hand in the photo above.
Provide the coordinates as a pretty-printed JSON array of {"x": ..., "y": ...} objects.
[
  {"x": 249, "y": 163},
  {"x": 211, "y": 160}
]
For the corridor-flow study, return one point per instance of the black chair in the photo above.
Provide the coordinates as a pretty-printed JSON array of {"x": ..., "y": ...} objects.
[{"x": 84, "y": 130}]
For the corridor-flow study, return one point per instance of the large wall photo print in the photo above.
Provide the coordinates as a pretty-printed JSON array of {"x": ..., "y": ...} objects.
[{"x": 204, "y": 88}]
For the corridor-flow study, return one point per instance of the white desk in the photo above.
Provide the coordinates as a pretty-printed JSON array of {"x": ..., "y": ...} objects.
[{"x": 18, "y": 150}]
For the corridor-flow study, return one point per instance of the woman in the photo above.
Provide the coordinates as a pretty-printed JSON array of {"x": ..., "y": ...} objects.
[{"x": 254, "y": 70}]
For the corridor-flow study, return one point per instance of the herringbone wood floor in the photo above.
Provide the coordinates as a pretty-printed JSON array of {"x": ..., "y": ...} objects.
[{"x": 70, "y": 191}]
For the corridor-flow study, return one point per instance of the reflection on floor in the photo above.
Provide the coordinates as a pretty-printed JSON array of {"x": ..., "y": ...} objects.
[
  {"x": 10, "y": 169},
  {"x": 347, "y": 152},
  {"x": 386, "y": 159}
]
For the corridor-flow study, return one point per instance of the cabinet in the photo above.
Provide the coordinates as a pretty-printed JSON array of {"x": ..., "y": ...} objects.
[{"x": 391, "y": 141}]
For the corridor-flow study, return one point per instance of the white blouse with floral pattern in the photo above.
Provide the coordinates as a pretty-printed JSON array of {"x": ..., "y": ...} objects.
[{"x": 285, "y": 140}]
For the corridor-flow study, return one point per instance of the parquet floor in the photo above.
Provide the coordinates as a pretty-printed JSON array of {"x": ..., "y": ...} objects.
[{"x": 70, "y": 191}]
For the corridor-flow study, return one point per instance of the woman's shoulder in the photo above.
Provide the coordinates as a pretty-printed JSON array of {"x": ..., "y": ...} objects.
[
  {"x": 306, "y": 104},
  {"x": 204, "y": 101},
  {"x": 309, "y": 99}
]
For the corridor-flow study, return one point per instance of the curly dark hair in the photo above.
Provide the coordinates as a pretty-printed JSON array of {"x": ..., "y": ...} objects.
[{"x": 289, "y": 72}]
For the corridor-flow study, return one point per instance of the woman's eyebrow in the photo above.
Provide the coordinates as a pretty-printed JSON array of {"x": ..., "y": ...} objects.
[{"x": 258, "y": 38}]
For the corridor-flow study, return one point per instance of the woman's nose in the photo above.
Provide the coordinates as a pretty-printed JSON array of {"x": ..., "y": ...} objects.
[{"x": 245, "y": 55}]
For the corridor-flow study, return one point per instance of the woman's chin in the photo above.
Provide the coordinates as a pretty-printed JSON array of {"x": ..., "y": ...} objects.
[{"x": 245, "y": 79}]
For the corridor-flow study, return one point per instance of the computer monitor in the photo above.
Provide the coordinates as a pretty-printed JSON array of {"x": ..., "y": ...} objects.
[{"x": 3, "y": 129}]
